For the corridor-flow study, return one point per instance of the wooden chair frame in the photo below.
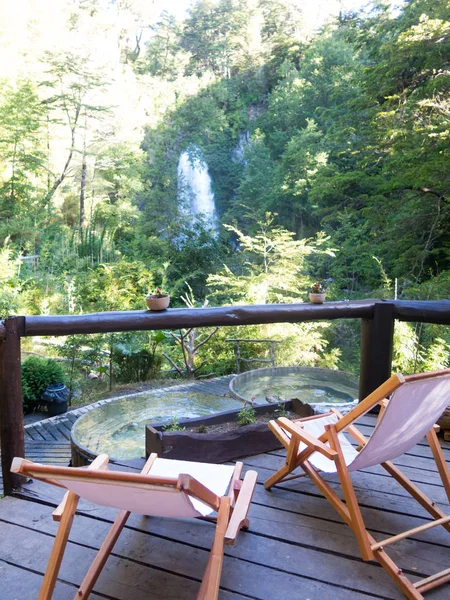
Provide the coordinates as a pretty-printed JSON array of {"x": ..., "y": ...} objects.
[
  {"x": 232, "y": 512},
  {"x": 290, "y": 434}
]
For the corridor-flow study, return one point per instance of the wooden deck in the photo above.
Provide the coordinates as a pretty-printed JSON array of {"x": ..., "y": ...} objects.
[{"x": 296, "y": 549}]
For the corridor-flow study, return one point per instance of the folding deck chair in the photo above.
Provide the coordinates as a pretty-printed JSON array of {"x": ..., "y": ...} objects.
[
  {"x": 164, "y": 488},
  {"x": 318, "y": 443}
]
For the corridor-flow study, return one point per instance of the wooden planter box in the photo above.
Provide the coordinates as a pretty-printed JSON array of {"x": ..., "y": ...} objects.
[
  {"x": 444, "y": 423},
  {"x": 218, "y": 447}
]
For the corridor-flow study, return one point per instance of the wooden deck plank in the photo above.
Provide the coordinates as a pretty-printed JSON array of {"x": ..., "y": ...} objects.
[
  {"x": 297, "y": 547},
  {"x": 120, "y": 579},
  {"x": 23, "y": 583},
  {"x": 30, "y": 434},
  {"x": 52, "y": 430},
  {"x": 367, "y": 496},
  {"x": 35, "y": 432},
  {"x": 71, "y": 417},
  {"x": 326, "y": 533},
  {"x": 273, "y": 540},
  {"x": 64, "y": 428},
  {"x": 169, "y": 569},
  {"x": 375, "y": 478}
]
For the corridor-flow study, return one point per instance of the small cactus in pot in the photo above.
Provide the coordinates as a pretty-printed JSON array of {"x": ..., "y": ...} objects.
[
  {"x": 158, "y": 301},
  {"x": 318, "y": 292}
]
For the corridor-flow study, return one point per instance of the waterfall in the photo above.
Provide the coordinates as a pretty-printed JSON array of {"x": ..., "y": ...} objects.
[
  {"x": 194, "y": 188},
  {"x": 238, "y": 152}
]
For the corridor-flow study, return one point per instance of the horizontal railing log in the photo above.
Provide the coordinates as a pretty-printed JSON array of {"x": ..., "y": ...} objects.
[
  {"x": 422, "y": 311},
  {"x": 176, "y": 318},
  {"x": 377, "y": 329}
]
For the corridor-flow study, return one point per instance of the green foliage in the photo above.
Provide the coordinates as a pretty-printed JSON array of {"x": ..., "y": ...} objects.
[
  {"x": 342, "y": 131},
  {"x": 135, "y": 356},
  {"x": 37, "y": 374},
  {"x": 173, "y": 426},
  {"x": 319, "y": 287},
  {"x": 22, "y": 159},
  {"x": 281, "y": 410},
  {"x": 215, "y": 35},
  {"x": 272, "y": 266},
  {"x": 117, "y": 286},
  {"x": 163, "y": 56},
  {"x": 9, "y": 281},
  {"x": 437, "y": 355},
  {"x": 246, "y": 416},
  {"x": 404, "y": 359}
]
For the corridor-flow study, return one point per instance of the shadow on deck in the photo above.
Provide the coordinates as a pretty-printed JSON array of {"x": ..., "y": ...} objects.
[{"x": 297, "y": 547}]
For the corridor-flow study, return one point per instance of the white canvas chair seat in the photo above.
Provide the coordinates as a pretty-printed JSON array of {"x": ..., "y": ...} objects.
[
  {"x": 153, "y": 500},
  {"x": 316, "y": 428},
  {"x": 412, "y": 411},
  {"x": 319, "y": 443},
  {"x": 164, "y": 488}
]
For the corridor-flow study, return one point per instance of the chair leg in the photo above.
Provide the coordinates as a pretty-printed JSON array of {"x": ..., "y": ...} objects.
[
  {"x": 357, "y": 522},
  {"x": 440, "y": 460},
  {"x": 102, "y": 556},
  {"x": 59, "y": 545},
  {"x": 415, "y": 492},
  {"x": 289, "y": 465},
  {"x": 276, "y": 477},
  {"x": 106, "y": 548},
  {"x": 380, "y": 555},
  {"x": 209, "y": 589},
  {"x": 396, "y": 573}
]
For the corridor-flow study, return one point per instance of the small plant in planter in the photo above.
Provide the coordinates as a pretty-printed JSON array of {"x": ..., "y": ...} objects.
[
  {"x": 318, "y": 292},
  {"x": 246, "y": 416},
  {"x": 158, "y": 301},
  {"x": 173, "y": 426}
]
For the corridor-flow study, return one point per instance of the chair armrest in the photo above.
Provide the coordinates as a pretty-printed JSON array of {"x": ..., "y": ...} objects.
[
  {"x": 239, "y": 516},
  {"x": 100, "y": 463},
  {"x": 306, "y": 438},
  {"x": 191, "y": 486},
  {"x": 284, "y": 438}
]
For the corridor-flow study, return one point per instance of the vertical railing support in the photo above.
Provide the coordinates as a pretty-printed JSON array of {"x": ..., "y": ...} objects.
[
  {"x": 11, "y": 408},
  {"x": 377, "y": 337}
]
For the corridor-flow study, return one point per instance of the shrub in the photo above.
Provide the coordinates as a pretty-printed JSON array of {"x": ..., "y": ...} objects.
[
  {"x": 173, "y": 426},
  {"x": 37, "y": 374},
  {"x": 246, "y": 416}
]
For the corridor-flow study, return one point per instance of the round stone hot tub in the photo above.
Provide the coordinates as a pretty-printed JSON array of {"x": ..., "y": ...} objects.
[
  {"x": 117, "y": 427},
  {"x": 321, "y": 388}
]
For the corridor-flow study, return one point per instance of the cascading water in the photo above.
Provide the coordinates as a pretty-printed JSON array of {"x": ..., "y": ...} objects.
[
  {"x": 194, "y": 188},
  {"x": 238, "y": 152}
]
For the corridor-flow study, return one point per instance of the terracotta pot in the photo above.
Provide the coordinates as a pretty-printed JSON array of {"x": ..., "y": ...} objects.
[
  {"x": 317, "y": 298},
  {"x": 158, "y": 302}
]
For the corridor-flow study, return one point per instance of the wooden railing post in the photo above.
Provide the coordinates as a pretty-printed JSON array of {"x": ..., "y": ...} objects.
[
  {"x": 377, "y": 337},
  {"x": 11, "y": 409}
]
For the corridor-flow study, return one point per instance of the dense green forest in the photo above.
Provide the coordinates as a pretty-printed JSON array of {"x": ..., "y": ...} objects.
[{"x": 327, "y": 149}]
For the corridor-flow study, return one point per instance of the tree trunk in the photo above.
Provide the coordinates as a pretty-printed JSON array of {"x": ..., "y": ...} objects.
[{"x": 82, "y": 190}]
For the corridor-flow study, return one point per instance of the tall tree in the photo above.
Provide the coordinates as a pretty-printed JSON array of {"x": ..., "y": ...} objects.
[
  {"x": 72, "y": 90},
  {"x": 22, "y": 148},
  {"x": 215, "y": 34}
]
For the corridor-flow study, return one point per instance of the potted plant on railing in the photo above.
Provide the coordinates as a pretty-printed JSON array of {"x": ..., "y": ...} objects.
[
  {"x": 158, "y": 301},
  {"x": 318, "y": 292}
]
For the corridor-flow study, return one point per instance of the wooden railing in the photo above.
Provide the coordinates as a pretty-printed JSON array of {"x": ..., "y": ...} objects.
[{"x": 377, "y": 327}]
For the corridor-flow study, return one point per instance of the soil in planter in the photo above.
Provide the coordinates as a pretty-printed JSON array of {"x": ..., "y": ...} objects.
[{"x": 231, "y": 425}]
